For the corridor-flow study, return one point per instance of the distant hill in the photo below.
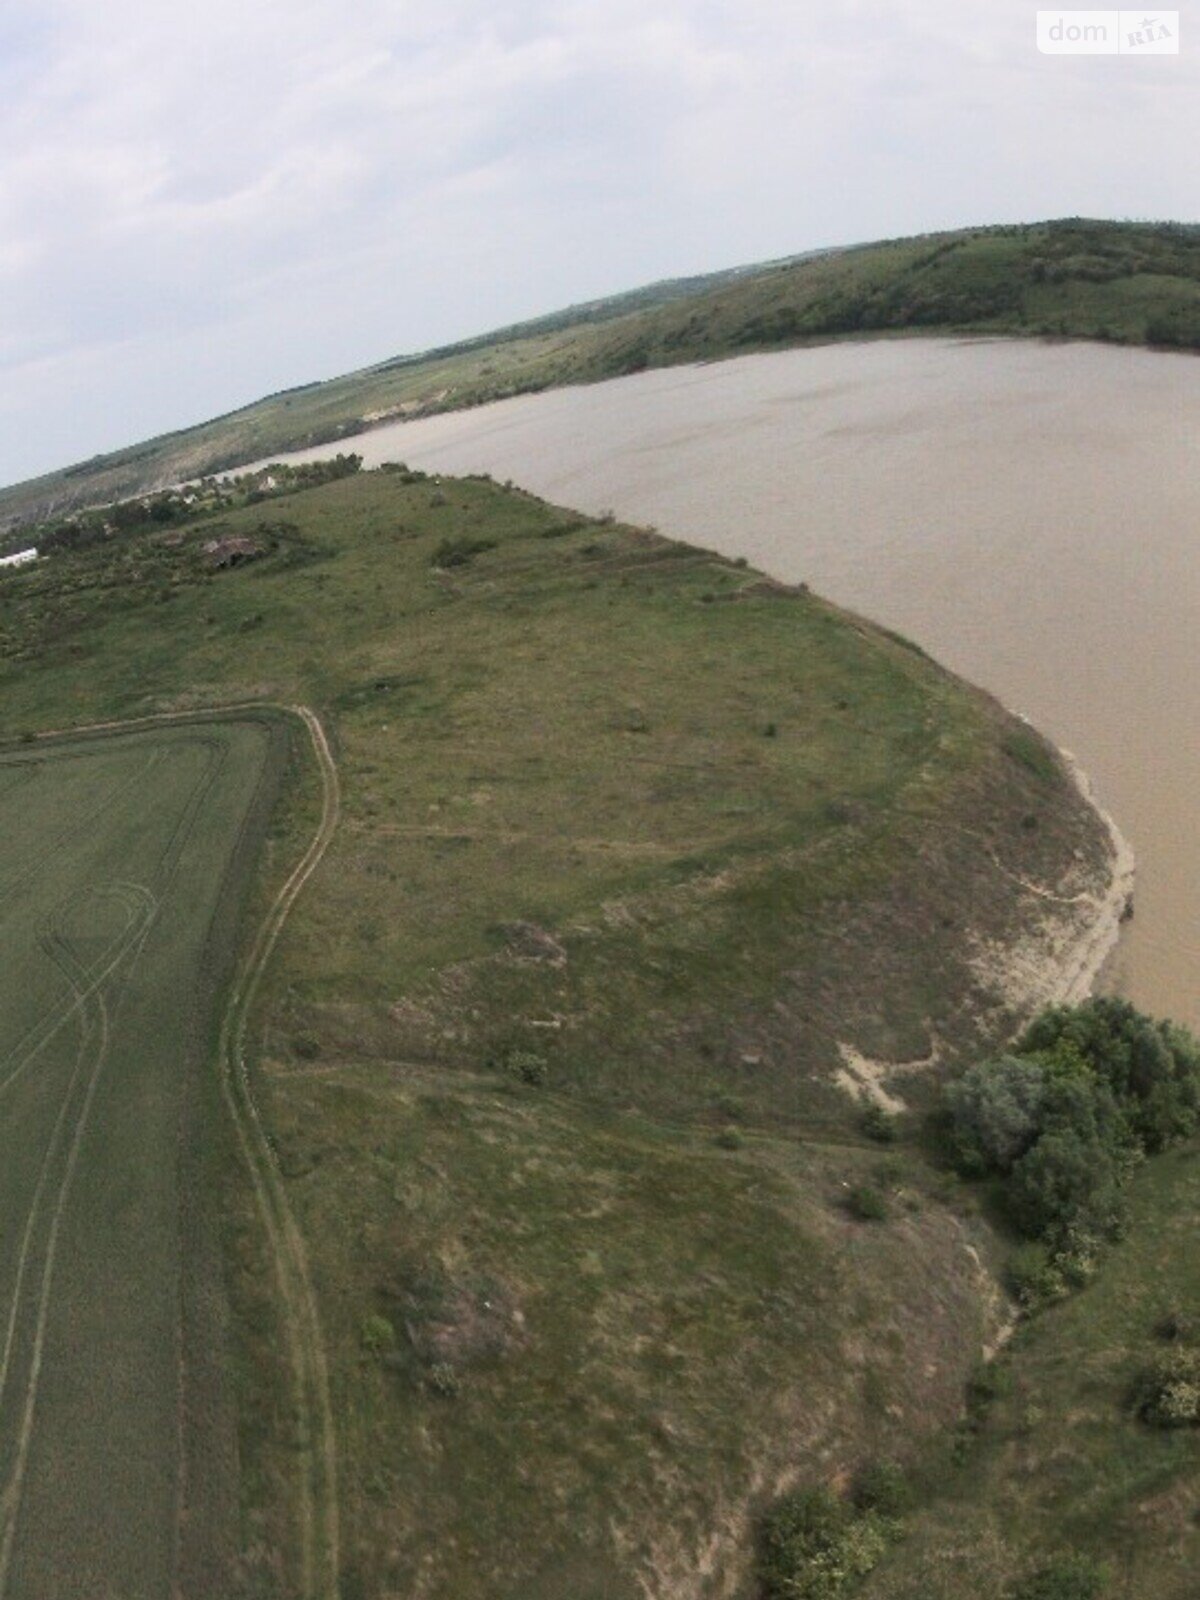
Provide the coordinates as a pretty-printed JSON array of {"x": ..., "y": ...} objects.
[{"x": 1132, "y": 283}]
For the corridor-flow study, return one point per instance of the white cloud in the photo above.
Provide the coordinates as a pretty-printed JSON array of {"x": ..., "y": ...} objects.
[{"x": 199, "y": 203}]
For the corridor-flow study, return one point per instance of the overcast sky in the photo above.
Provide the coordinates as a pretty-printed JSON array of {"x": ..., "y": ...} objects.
[{"x": 202, "y": 202}]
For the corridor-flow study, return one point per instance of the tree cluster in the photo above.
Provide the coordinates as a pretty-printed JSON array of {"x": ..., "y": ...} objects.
[{"x": 1061, "y": 1121}]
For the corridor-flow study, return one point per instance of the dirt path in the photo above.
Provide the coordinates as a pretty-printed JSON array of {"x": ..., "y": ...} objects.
[{"x": 317, "y": 1505}]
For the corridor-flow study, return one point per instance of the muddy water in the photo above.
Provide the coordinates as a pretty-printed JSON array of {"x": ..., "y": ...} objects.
[{"x": 1030, "y": 514}]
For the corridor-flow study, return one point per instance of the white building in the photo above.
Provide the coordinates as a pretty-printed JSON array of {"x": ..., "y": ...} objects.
[{"x": 19, "y": 558}]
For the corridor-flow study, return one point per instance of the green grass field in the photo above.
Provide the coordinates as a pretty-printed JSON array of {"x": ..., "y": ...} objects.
[
  {"x": 630, "y": 841},
  {"x": 1132, "y": 283},
  {"x": 121, "y": 861}
]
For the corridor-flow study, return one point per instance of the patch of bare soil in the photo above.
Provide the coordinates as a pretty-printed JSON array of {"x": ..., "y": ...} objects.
[{"x": 1066, "y": 937}]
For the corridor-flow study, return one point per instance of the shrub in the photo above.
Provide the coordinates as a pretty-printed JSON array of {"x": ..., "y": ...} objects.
[
  {"x": 443, "y": 1381},
  {"x": 995, "y": 1108},
  {"x": 1178, "y": 327},
  {"x": 1175, "y": 1324},
  {"x": 866, "y": 1204},
  {"x": 1066, "y": 1179},
  {"x": 890, "y": 1171},
  {"x": 729, "y": 1105},
  {"x": 377, "y": 1335},
  {"x": 1152, "y": 1069},
  {"x": 883, "y": 1487},
  {"x": 729, "y": 1138},
  {"x": 526, "y": 1066},
  {"x": 305, "y": 1047},
  {"x": 1068, "y": 1578},
  {"x": 1034, "y": 1277},
  {"x": 1169, "y": 1392},
  {"x": 989, "y": 1382},
  {"x": 1089, "y": 1092},
  {"x": 878, "y": 1124},
  {"x": 813, "y": 1546},
  {"x": 459, "y": 552}
]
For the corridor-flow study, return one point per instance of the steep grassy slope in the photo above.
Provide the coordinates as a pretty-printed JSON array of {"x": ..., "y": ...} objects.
[
  {"x": 1061, "y": 1461},
  {"x": 633, "y": 843},
  {"x": 1130, "y": 282}
]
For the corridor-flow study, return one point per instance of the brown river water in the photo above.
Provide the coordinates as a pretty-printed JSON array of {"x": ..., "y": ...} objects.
[{"x": 1030, "y": 513}]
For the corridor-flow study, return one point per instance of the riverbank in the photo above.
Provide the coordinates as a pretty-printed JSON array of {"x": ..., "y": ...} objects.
[
  {"x": 1056, "y": 953},
  {"x": 1083, "y": 969},
  {"x": 1070, "y": 932},
  {"x": 976, "y": 497}
]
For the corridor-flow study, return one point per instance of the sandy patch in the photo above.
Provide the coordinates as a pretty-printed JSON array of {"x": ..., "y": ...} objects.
[
  {"x": 1067, "y": 940},
  {"x": 865, "y": 1079}
]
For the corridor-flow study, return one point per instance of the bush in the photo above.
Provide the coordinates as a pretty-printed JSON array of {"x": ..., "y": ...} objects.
[
  {"x": 995, "y": 1107},
  {"x": 884, "y": 1488},
  {"x": 1176, "y": 1324},
  {"x": 1151, "y": 1068},
  {"x": 866, "y": 1204},
  {"x": 989, "y": 1382},
  {"x": 1033, "y": 1277},
  {"x": 1179, "y": 328},
  {"x": 443, "y": 1381},
  {"x": 1169, "y": 1393},
  {"x": 729, "y": 1138},
  {"x": 878, "y": 1124},
  {"x": 459, "y": 552},
  {"x": 526, "y": 1066},
  {"x": 1068, "y": 1578},
  {"x": 377, "y": 1335},
  {"x": 1089, "y": 1092},
  {"x": 813, "y": 1546},
  {"x": 731, "y": 1106},
  {"x": 1066, "y": 1180}
]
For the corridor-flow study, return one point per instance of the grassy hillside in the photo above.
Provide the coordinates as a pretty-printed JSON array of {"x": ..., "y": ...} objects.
[
  {"x": 1130, "y": 282},
  {"x": 633, "y": 843},
  {"x": 1058, "y": 1460}
]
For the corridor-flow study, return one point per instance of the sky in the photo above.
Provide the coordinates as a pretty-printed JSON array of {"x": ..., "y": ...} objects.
[{"x": 201, "y": 203}]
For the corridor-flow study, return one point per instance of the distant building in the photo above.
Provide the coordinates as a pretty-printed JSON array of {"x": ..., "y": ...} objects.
[{"x": 19, "y": 558}]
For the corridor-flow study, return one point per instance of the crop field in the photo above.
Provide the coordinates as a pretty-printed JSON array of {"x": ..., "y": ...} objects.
[{"x": 120, "y": 856}]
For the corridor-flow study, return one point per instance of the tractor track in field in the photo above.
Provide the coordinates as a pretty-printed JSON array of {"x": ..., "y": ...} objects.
[
  {"x": 316, "y": 1472},
  {"x": 93, "y": 1010},
  {"x": 317, "y": 1504}
]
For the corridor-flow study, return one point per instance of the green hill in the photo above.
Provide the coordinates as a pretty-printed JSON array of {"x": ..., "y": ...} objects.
[{"x": 1133, "y": 283}]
